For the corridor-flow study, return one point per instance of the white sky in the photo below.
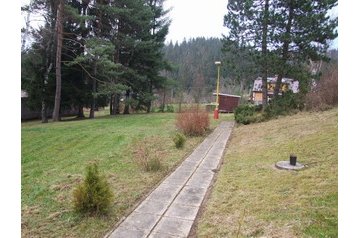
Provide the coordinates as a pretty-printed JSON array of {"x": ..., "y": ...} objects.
[
  {"x": 195, "y": 18},
  {"x": 190, "y": 18}
]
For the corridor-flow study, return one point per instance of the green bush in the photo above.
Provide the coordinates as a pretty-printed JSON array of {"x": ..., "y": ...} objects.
[
  {"x": 244, "y": 114},
  {"x": 179, "y": 140},
  {"x": 284, "y": 105},
  {"x": 287, "y": 104},
  {"x": 170, "y": 108},
  {"x": 93, "y": 196}
]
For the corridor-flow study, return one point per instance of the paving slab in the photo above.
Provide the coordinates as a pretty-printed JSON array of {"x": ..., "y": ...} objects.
[
  {"x": 124, "y": 233},
  {"x": 161, "y": 235},
  {"x": 192, "y": 196},
  {"x": 173, "y": 226},
  {"x": 182, "y": 211},
  {"x": 165, "y": 192},
  {"x": 171, "y": 208},
  {"x": 140, "y": 222},
  {"x": 156, "y": 207},
  {"x": 202, "y": 178}
]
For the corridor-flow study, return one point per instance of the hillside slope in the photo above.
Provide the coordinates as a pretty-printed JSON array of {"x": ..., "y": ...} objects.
[{"x": 251, "y": 198}]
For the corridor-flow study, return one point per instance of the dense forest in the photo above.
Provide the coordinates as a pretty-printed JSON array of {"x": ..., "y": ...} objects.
[
  {"x": 193, "y": 71},
  {"x": 90, "y": 54},
  {"x": 94, "y": 53}
]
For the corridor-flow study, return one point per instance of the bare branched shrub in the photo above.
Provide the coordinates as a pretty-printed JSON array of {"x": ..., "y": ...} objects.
[
  {"x": 193, "y": 121},
  {"x": 325, "y": 94},
  {"x": 147, "y": 155}
]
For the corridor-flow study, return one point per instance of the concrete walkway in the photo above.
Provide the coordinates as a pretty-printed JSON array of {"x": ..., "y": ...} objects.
[{"x": 170, "y": 210}]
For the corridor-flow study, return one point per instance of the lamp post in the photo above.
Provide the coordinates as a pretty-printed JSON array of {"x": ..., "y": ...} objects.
[{"x": 216, "y": 111}]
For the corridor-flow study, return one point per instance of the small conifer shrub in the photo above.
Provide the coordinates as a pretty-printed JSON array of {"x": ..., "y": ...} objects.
[
  {"x": 93, "y": 196},
  {"x": 179, "y": 140}
]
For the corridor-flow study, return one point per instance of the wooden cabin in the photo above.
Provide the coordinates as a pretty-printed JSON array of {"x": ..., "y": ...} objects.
[{"x": 227, "y": 102}]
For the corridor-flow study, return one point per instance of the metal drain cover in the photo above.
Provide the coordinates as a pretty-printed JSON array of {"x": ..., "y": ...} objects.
[{"x": 288, "y": 166}]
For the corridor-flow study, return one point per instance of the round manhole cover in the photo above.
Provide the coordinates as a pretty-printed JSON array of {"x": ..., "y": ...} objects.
[{"x": 288, "y": 166}]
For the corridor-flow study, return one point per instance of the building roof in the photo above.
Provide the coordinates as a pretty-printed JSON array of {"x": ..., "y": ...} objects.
[
  {"x": 292, "y": 84},
  {"x": 228, "y": 95}
]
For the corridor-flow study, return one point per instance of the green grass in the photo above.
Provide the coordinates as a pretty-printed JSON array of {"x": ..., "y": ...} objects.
[
  {"x": 53, "y": 161},
  {"x": 251, "y": 198}
]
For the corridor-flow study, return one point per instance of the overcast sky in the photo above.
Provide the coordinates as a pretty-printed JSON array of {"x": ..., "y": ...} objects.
[{"x": 195, "y": 18}]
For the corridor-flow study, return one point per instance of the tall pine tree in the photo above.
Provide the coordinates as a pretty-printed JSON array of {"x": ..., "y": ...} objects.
[
  {"x": 286, "y": 34},
  {"x": 303, "y": 31}
]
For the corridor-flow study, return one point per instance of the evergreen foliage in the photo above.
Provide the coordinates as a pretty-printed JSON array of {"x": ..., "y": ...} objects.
[
  {"x": 93, "y": 196},
  {"x": 195, "y": 74},
  {"x": 289, "y": 103},
  {"x": 281, "y": 37},
  {"x": 243, "y": 113},
  {"x": 111, "y": 49},
  {"x": 193, "y": 65},
  {"x": 179, "y": 140},
  {"x": 285, "y": 105}
]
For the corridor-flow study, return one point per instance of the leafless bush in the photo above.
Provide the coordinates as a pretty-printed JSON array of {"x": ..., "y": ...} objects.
[
  {"x": 146, "y": 154},
  {"x": 325, "y": 94},
  {"x": 193, "y": 121}
]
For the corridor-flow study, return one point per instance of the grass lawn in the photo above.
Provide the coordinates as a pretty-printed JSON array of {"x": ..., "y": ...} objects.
[
  {"x": 251, "y": 198},
  {"x": 53, "y": 161}
]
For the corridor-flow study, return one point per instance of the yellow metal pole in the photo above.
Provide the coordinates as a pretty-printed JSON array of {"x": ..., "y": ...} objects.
[
  {"x": 216, "y": 111},
  {"x": 217, "y": 88}
]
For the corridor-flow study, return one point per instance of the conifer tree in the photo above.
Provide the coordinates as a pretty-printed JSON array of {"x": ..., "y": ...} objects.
[
  {"x": 303, "y": 31},
  {"x": 103, "y": 48},
  {"x": 286, "y": 34},
  {"x": 250, "y": 24}
]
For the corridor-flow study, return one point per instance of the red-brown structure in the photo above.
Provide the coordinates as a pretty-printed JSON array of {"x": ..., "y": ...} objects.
[{"x": 228, "y": 102}]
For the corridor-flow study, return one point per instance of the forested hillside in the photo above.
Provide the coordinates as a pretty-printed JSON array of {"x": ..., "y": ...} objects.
[{"x": 194, "y": 72}]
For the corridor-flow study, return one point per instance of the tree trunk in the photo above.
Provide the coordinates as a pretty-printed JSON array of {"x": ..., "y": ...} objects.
[
  {"x": 43, "y": 112},
  {"x": 59, "y": 32},
  {"x": 242, "y": 87},
  {"x": 149, "y": 103},
  {"x": 111, "y": 105},
  {"x": 180, "y": 100},
  {"x": 116, "y": 104},
  {"x": 264, "y": 54},
  {"x": 80, "y": 113},
  {"x": 126, "y": 107},
  {"x": 149, "y": 106},
  {"x": 285, "y": 47},
  {"x": 94, "y": 89},
  {"x": 43, "y": 103},
  {"x": 163, "y": 103}
]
